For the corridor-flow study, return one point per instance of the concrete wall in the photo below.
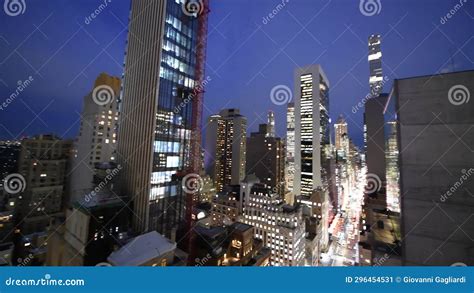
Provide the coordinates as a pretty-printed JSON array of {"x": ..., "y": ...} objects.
[{"x": 436, "y": 154}]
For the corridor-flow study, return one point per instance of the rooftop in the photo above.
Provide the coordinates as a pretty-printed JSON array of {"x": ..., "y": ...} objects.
[{"x": 142, "y": 249}]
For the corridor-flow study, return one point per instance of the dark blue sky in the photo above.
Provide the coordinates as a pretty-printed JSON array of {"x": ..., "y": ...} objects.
[{"x": 246, "y": 58}]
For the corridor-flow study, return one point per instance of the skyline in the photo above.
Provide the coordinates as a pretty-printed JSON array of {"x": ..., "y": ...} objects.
[
  {"x": 363, "y": 155},
  {"x": 236, "y": 57}
]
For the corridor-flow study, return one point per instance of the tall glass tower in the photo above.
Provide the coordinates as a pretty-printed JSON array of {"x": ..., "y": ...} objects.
[{"x": 160, "y": 109}]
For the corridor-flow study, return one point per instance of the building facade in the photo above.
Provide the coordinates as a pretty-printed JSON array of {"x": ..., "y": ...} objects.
[
  {"x": 436, "y": 175},
  {"x": 226, "y": 142},
  {"x": 375, "y": 65},
  {"x": 267, "y": 158},
  {"x": 97, "y": 139},
  {"x": 311, "y": 127},
  {"x": 160, "y": 110},
  {"x": 280, "y": 226},
  {"x": 290, "y": 147}
]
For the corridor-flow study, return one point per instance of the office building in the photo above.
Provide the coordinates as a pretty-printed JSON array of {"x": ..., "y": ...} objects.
[
  {"x": 160, "y": 111},
  {"x": 97, "y": 139},
  {"x": 226, "y": 145},
  {"x": 280, "y": 226},
  {"x": 435, "y": 138},
  {"x": 226, "y": 206},
  {"x": 290, "y": 147},
  {"x": 311, "y": 127},
  {"x": 341, "y": 138},
  {"x": 271, "y": 124},
  {"x": 9, "y": 152},
  {"x": 312, "y": 142},
  {"x": 267, "y": 158},
  {"x": 375, "y": 65},
  {"x": 43, "y": 163}
]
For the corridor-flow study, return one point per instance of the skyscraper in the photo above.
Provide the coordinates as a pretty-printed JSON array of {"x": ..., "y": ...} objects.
[
  {"x": 271, "y": 124},
  {"x": 312, "y": 144},
  {"x": 375, "y": 64},
  {"x": 226, "y": 148},
  {"x": 341, "y": 137},
  {"x": 290, "y": 146},
  {"x": 311, "y": 127},
  {"x": 266, "y": 158},
  {"x": 159, "y": 132},
  {"x": 97, "y": 139}
]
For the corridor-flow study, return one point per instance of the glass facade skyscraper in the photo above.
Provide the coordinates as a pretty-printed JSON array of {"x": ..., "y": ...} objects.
[{"x": 158, "y": 107}]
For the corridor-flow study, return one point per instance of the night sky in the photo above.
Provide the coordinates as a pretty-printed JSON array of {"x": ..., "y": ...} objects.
[{"x": 247, "y": 56}]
